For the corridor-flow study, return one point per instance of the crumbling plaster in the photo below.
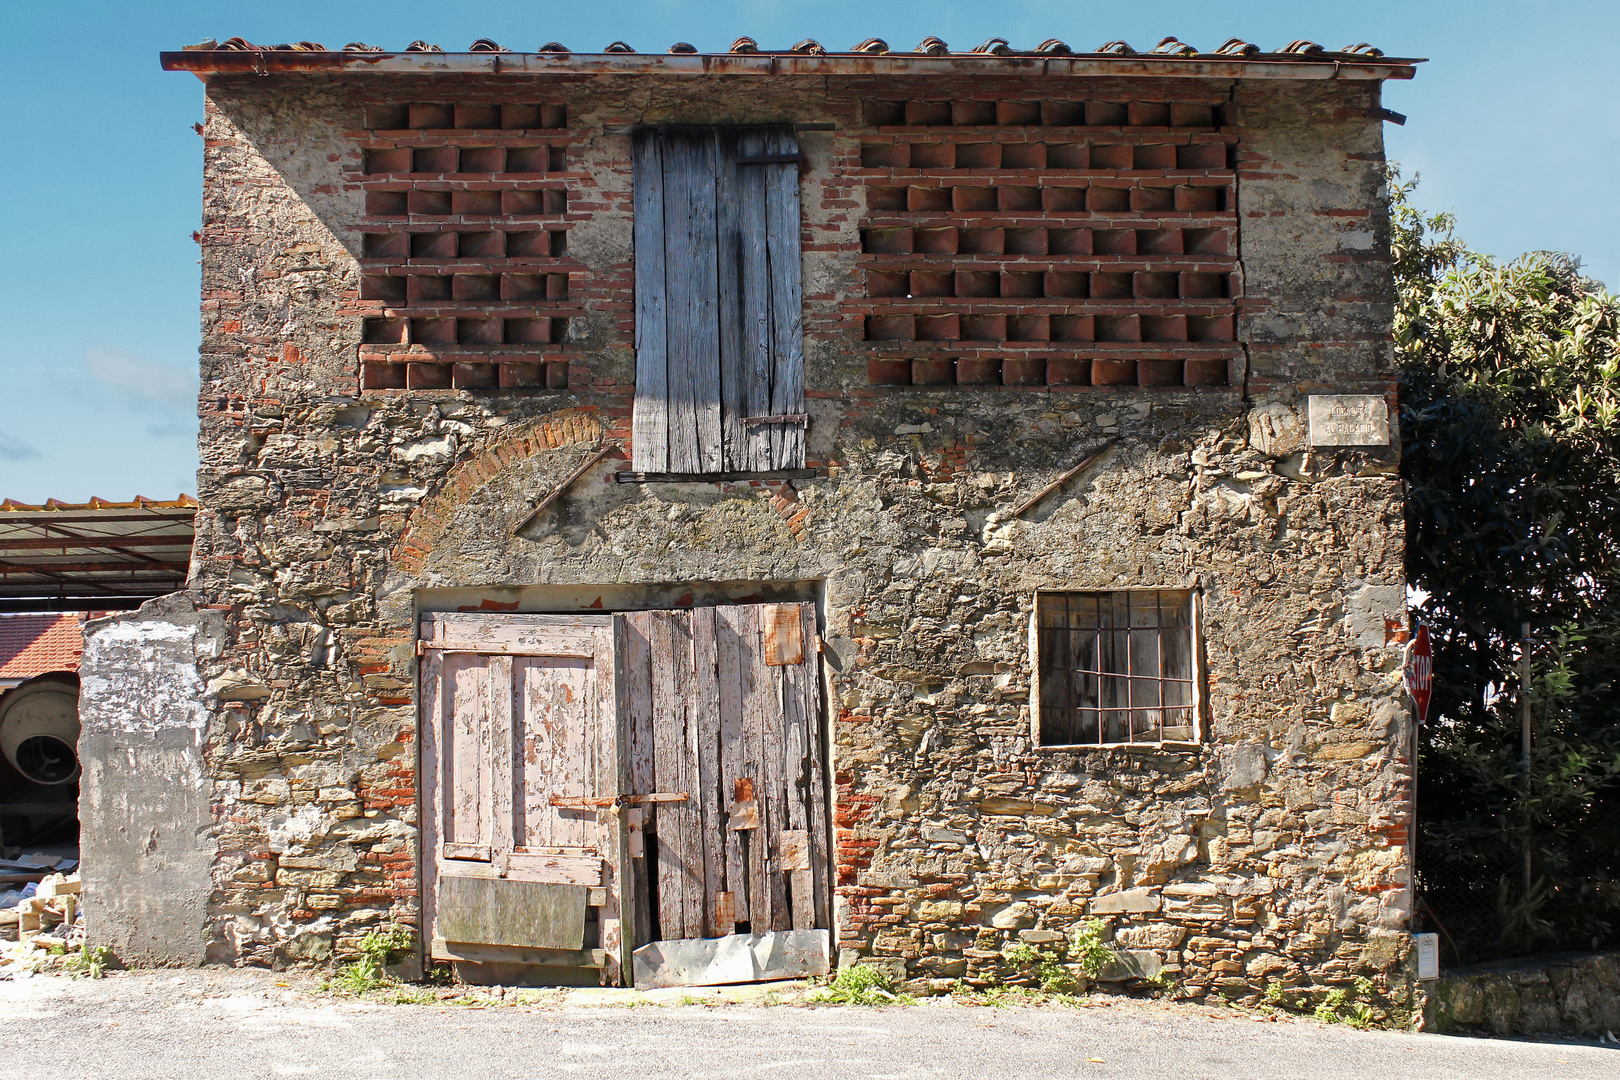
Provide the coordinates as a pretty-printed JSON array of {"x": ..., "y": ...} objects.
[{"x": 146, "y": 809}]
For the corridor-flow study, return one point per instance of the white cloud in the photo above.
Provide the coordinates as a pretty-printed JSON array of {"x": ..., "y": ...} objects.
[
  {"x": 14, "y": 449},
  {"x": 142, "y": 378}
]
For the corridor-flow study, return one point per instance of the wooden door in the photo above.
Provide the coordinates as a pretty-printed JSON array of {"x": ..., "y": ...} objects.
[
  {"x": 725, "y": 703},
  {"x": 719, "y": 334},
  {"x": 521, "y": 766}
]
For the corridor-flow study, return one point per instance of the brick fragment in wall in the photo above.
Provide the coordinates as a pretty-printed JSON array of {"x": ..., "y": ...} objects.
[{"x": 333, "y": 508}]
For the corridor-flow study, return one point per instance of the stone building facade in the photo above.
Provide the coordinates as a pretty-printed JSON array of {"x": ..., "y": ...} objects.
[{"x": 420, "y": 318}]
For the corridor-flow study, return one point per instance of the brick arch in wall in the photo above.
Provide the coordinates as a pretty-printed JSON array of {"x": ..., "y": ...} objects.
[{"x": 427, "y": 523}]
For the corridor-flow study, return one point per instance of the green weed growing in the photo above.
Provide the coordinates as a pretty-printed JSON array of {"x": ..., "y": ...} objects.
[
  {"x": 89, "y": 961},
  {"x": 863, "y": 984},
  {"x": 1088, "y": 948},
  {"x": 378, "y": 949}
]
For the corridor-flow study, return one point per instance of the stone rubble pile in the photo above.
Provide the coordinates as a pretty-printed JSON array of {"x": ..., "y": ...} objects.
[{"x": 39, "y": 922}]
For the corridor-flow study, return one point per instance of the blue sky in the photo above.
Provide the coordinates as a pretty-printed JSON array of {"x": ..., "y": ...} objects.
[{"x": 1514, "y": 125}]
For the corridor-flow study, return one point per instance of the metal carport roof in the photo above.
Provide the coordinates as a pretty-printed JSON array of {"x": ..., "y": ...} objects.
[{"x": 93, "y": 556}]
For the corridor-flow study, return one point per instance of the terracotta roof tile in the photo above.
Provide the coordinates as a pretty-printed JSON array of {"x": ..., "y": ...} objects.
[
  {"x": 931, "y": 46},
  {"x": 34, "y": 644}
]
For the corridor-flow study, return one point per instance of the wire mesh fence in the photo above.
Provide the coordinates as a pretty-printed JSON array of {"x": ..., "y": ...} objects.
[{"x": 1482, "y": 910}]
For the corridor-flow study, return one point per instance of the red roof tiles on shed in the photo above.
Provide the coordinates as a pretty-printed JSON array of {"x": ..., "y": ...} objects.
[{"x": 34, "y": 644}]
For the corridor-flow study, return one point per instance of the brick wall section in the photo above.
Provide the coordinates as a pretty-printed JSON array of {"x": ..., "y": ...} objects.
[
  {"x": 464, "y": 254},
  {"x": 333, "y": 510},
  {"x": 434, "y": 516}
]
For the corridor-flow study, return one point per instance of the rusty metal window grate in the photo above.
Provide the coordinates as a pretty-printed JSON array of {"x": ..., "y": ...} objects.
[{"x": 1116, "y": 668}]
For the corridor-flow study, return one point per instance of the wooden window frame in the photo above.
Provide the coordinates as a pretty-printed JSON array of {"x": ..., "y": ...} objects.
[{"x": 1199, "y": 695}]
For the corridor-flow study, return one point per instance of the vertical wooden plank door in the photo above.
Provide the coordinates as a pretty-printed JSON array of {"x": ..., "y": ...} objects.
[
  {"x": 521, "y": 763},
  {"x": 719, "y": 334},
  {"x": 592, "y": 784},
  {"x": 731, "y": 717}
]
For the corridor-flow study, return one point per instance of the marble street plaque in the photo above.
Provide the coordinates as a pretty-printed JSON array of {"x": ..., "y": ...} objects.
[{"x": 1349, "y": 420}]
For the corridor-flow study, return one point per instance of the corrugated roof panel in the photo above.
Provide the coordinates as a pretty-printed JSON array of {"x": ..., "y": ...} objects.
[{"x": 103, "y": 553}]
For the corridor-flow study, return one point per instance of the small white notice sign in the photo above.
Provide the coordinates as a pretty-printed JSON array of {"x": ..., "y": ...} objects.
[
  {"x": 1428, "y": 955},
  {"x": 1349, "y": 420}
]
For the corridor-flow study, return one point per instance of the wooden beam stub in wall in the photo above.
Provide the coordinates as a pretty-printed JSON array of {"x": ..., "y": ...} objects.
[
  {"x": 714, "y": 477},
  {"x": 1064, "y": 479},
  {"x": 551, "y": 496}
]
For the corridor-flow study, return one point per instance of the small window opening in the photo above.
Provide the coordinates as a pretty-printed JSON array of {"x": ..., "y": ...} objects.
[{"x": 1116, "y": 668}]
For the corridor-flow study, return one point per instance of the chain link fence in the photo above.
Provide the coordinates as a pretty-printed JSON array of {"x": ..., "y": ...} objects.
[{"x": 1482, "y": 911}]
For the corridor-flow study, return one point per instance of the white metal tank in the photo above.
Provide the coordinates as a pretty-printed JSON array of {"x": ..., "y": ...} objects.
[{"x": 39, "y": 729}]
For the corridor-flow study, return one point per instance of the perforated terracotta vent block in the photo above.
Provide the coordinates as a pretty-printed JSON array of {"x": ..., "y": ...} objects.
[
  {"x": 465, "y": 116},
  {"x": 387, "y": 203},
  {"x": 428, "y": 202},
  {"x": 479, "y": 331},
  {"x": 534, "y": 159},
  {"x": 1082, "y": 237},
  {"x": 1038, "y": 372},
  {"x": 429, "y": 288},
  {"x": 479, "y": 245},
  {"x": 1068, "y": 373},
  {"x": 484, "y": 375},
  {"x": 378, "y": 376},
  {"x": 528, "y": 331},
  {"x": 533, "y": 202},
  {"x": 1023, "y": 372},
  {"x": 383, "y": 331},
  {"x": 1207, "y": 372},
  {"x": 450, "y": 246},
  {"x": 483, "y": 159},
  {"x": 427, "y": 376},
  {"x": 386, "y": 246},
  {"x": 1113, "y": 372},
  {"x": 434, "y": 245},
  {"x": 393, "y": 160},
  {"x": 427, "y": 115},
  {"x": 433, "y": 331},
  {"x": 382, "y": 287},
  {"x": 435, "y": 159}
]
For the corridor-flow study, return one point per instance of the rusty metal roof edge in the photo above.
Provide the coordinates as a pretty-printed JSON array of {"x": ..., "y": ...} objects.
[
  {"x": 1321, "y": 66},
  {"x": 56, "y": 506}
]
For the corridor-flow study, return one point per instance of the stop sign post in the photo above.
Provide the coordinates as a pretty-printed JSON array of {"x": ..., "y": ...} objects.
[{"x": 1420, "y": 671}]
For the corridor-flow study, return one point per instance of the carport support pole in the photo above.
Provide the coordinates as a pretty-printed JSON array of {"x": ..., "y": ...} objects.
[{"x": 1524, "y": 741}]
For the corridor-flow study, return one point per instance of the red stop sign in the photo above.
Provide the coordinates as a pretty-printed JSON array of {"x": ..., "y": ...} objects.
[{"x": 1420, "y": 671}]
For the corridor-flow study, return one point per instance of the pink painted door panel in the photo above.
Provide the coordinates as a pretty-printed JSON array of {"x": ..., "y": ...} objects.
[{"x": 520, "y": 743}]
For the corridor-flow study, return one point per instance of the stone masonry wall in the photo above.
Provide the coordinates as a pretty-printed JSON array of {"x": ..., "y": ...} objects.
[
  {"x": 1566, "y": 993},
  {"x": 332, "y": 514}
]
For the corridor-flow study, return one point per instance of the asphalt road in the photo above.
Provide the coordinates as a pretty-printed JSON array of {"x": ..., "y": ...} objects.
[{"x": 251, "y": 1024}]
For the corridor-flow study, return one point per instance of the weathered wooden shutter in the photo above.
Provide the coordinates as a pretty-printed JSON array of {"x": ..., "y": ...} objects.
[
  {"x": 520, "y": 741},
  {"x": 719, "y": 332}
]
